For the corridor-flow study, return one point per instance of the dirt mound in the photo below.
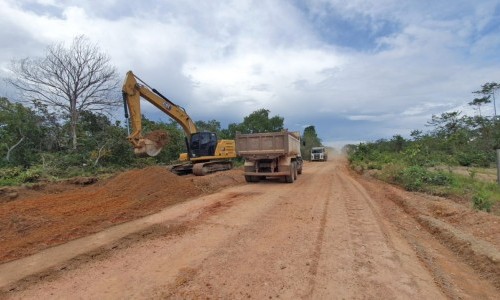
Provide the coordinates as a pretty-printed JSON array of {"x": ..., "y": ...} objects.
[
  {"x": 8, "y": 194},
  {"x": 159, "y": 137},
  {"x": 149, "y": 183},
  {"x": 40, "y": 218},
  {"x": 82, "y": 180}
]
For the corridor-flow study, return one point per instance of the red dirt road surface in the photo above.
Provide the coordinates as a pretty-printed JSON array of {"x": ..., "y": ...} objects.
[{"x": 333, "y": 234}]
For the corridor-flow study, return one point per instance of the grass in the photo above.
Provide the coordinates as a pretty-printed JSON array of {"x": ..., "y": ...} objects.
[
  {"x": 483, "y": 195},
  {"x": 15, "y": 176}
]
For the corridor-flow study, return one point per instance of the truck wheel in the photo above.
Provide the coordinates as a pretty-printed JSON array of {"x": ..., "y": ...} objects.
[
  {"x": 290, "y": 178},
  {"x": 252, "y": 178},
  {"x": 295, "y": 171}
]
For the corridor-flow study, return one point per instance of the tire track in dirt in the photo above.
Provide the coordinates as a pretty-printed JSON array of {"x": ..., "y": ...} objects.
[
  {"x": 324, "y": 237},
  {"x": 264, "y": 259},
  {"x": 397, "y": 209},
  {"x": 439, "y": 268},
  {"x": 319, "y": 242},
  {"x": 375, "y": 264},
  {"x": 141, "y": 270},
  {"x": 335, "y": 275},
  {"x": 274, "y": 257},
  {"x": 360, "y": 257},
  {"x": 383, "y": 267}
]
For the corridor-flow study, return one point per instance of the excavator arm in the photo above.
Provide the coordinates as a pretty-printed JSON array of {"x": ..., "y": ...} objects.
[{"x": 133, "y": 90}]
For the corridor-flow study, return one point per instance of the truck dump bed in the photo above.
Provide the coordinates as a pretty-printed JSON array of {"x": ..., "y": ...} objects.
[{"x": 267, "y": 145}]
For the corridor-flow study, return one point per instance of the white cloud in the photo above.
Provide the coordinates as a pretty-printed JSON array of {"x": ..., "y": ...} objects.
[{"x": 223, "y": 60}]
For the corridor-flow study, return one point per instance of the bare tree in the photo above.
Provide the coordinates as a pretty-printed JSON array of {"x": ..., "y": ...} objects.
[{"x": 69, "y": 80}]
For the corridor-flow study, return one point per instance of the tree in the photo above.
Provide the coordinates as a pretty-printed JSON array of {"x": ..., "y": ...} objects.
[
  {"x": 256, "y": 122},
  {"x": 209, "y": 126},
  {"x": 20, "y": 132},
  {"x": 103, "y": 142},
  {"x": 416, "y": 134},
  {"x": 52, "y": 129},
  {"x": 488, "y": 90},
  {"x": 477, "y": 102},
  {"x": 259, "y": 121},
  {"x": 447, "y": 123},
  {"x": 452, "y": 131},
  {"x": 397, "y": 143},
  {"x": 309, "y": 139},
  {"x": 68, "y": 80},
  {"x": 231, "y": 130}
]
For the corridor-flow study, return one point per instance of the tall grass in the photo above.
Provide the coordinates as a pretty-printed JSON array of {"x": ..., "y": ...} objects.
[{"x": 482, "y": 195}]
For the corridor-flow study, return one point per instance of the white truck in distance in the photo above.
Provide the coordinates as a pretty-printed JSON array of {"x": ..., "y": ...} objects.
[{"x": 319, "y": 154}]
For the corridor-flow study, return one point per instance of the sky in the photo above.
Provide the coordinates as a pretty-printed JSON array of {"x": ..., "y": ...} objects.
[{"x": 357, "y": 70}]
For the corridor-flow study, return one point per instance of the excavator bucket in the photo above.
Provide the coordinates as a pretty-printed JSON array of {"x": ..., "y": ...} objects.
[{"x": 152, "y": 143}]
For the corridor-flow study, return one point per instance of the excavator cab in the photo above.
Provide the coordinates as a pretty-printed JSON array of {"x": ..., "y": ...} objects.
[{"x": 202, "y": 144}]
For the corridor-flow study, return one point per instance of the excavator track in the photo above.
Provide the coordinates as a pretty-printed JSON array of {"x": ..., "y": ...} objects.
[
  {"x": 182, "y": 169},
  {"x": 204, "y": 168}
]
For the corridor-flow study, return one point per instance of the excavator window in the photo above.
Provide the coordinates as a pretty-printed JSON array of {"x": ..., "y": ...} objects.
[{"x": 203, "y": 144}]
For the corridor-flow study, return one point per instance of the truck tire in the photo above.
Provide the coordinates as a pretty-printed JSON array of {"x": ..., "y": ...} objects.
[
  {"x": 290, "y": 178},
  {"x": 252, "y": 178},
  {"x": 295, "y": 171}
]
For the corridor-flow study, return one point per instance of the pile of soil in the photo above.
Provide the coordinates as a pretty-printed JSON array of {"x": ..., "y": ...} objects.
[
  {"x": 54, "y": 214},
  {"x": 159, "y": 137}
]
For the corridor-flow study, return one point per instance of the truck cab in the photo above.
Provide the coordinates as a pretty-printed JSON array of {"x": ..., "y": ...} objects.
[{"x": 319, "y": 154}]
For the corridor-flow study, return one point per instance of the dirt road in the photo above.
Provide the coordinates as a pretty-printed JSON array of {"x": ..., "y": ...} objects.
[{"x": 330, "y": 235}]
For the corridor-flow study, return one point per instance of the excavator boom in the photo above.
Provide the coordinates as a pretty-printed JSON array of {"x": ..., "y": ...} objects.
[{"x": 132, "y": 92}]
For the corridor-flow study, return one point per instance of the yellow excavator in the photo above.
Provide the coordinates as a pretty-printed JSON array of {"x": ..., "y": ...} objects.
[{"x": 205, "y": 154}]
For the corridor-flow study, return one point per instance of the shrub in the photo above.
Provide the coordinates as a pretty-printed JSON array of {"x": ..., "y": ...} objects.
[
  {"x": 438, "y": 178},
  {"x": 414, "y": 177},
  {"x": 10, "y": 173},
  {"x": 391, "y": 172},
  {"x": 16, "y": 176},
  {"x": 374, "y": 166},
  {"x": 481, "y": 201},
  {"x": 30, "y": 175},
  {"x": 477, "y": 158}
]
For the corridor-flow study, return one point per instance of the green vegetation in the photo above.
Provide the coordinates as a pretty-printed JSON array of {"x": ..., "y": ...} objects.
[
  {"x": 426, "y": 161},
  {"x": 310, "y": 139},
  {"x": 38, "y": 145},
  {"x": 60, "y": 127}
]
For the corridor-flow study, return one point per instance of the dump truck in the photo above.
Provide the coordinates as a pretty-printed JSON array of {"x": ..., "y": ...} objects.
[
  {"x": 319, "y": 154},
  {"x": 270, "y": 154}
]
